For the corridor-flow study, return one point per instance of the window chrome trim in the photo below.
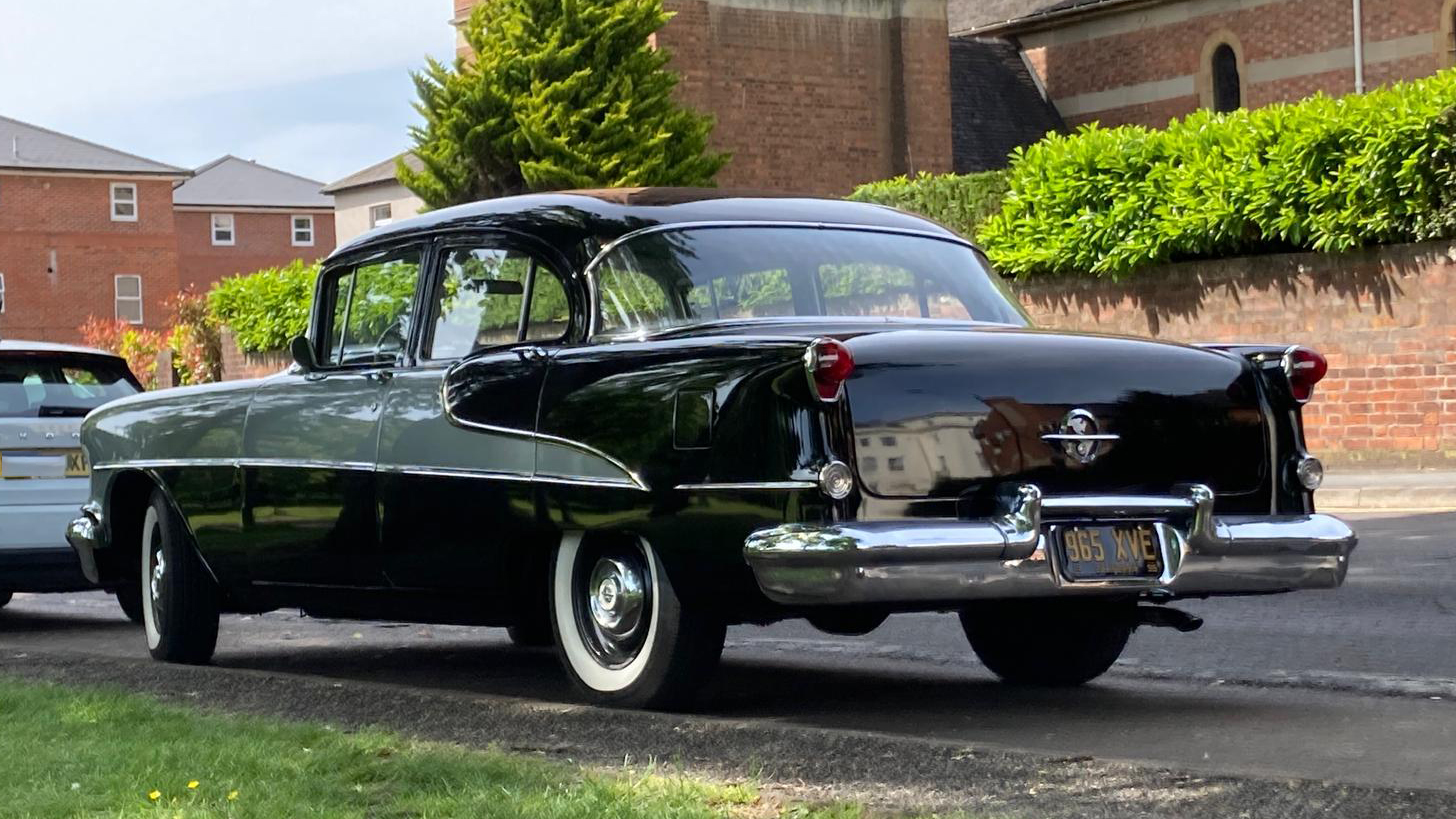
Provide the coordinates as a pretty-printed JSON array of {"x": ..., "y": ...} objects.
[
  {"x": 487, "y": 475},
  {"x": 589, "y": 272},
  {"x": 237, "y": 463}
]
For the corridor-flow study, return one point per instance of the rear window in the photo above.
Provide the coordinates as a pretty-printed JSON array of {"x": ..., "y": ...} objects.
[{"x": 47, "y": 385}]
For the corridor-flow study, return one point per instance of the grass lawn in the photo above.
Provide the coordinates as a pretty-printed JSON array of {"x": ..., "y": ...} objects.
[{"x": 70, "y": 752}]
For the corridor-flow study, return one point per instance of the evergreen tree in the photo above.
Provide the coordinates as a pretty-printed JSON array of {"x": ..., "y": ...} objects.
[{"x": 558, "y": 94}]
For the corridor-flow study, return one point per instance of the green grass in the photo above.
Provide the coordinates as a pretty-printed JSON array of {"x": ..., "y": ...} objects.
[{"x": 68, "y": 752}]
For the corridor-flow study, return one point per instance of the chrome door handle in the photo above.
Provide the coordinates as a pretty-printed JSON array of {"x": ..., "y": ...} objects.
[{"x": 535, "y": 354}]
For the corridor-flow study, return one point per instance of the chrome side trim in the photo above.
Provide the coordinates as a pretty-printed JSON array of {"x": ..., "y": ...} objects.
[
  {"x": 747, "y": 485},
  {"x": 237, "y": 463},
  {"x": 1072, "y": 436},
  {"x": 1011, "y": 555},
  {"x": 452, "y": 472},
  {"x": 359, "y": 466},
  {"x": 632, "y": 478},
  {"x": 589, "y": 272}
]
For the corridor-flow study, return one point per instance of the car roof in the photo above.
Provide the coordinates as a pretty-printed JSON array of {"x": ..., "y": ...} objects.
[
  {"x": 22, "y": 346},
  {"x": 570, "y": 219}
]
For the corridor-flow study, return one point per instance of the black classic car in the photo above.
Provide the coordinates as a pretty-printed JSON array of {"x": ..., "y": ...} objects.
[{"x": 619, "y": 421}]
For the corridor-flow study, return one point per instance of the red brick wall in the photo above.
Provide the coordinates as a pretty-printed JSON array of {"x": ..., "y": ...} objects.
[
  {"x": 807, "y": 100},
  {"x": 1072, "y": 64},
  {"x": 260, "y": 240},
  {"x": 1384, "y": 318},
  {"x": 72, "y": 217},
  {"x": 237, "y": 364}
]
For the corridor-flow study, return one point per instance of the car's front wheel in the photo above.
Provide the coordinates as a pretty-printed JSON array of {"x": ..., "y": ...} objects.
[
  {"x": 1049, "y": 642},
  {"x": 179, "y": 598},
  {"x": 623, "y": 634}
]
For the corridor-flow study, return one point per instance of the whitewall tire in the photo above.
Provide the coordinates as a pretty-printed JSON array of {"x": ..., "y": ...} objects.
[
  {"x": 622, "y": 633},
  {"x": 179, "y": 597}
]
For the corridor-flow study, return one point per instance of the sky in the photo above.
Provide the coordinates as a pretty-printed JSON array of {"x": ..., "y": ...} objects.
[{"x": 319, "y": 88}]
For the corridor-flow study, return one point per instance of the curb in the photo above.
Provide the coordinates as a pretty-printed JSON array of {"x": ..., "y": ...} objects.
[{"x": 1437, "y": 498}]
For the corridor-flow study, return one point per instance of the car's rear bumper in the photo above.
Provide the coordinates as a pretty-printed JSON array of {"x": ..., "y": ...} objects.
[{"x": 1010, "y": 555}]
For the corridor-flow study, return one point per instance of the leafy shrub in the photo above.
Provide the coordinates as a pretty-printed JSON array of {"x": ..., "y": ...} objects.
[
  {"x": 1323, "y": 174},
  {"x": 195, "y": 340},
  {"x": 265, "y": 309},
  {"x": 137, "y": 345},
  {"x": 961, "y": 203}
]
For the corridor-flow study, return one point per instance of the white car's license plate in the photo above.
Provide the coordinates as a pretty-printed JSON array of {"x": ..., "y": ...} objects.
[{"x": 21, "y": 464}]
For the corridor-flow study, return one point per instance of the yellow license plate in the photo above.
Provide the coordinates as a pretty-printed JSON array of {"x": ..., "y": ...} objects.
[
  {"x": 76, "y": 464},
  {"x": 1110, "y": 551}
]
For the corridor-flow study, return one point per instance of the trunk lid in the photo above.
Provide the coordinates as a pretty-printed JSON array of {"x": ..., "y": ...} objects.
[{"x": 957, "y": 414}]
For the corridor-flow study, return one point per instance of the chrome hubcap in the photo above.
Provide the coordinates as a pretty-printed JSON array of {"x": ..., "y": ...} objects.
[
  {"x": 159, "y": 572},
  {"x": 617, "y": 596}
]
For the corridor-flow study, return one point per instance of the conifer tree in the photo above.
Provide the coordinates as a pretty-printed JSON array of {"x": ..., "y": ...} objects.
[{"x": 557, "y": 94}]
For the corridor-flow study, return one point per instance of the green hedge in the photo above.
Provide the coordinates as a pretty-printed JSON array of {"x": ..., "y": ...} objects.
[
  {"x": 268, "y": 308},
  {"x": 1323, "y": 174},
  {"x": 961, "y": 203}
]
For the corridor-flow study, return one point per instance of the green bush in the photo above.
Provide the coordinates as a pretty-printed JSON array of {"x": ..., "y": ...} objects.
[
  {"x": 961, "y": 203},
  {"x": 1323, "y": 174},
  {"x": 268, "y": 308}
]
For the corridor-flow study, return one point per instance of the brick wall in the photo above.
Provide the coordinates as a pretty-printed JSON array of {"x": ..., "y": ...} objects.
[
  {"x": 1149, "y": 63},
  {"x": 815, "y": 96},
  {"x": 260, "y": 240},
  {"x": 60, "y": 252},
  {"x": 1384, "y": 318},
  {"x": 237, "y": 364}
]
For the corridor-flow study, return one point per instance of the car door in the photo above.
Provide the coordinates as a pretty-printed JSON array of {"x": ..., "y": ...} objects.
[
  {"x": 457, "y": 501},
  {"x": 311, "y": 438}
]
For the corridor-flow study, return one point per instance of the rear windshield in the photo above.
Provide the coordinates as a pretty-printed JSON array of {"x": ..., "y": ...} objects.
[
  {"x": 691, "y": 275},
  {"x": 40, "y": 385}
]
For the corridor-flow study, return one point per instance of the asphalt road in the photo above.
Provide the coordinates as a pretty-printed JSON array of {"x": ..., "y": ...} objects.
[{"x": 1356, "y": 685}]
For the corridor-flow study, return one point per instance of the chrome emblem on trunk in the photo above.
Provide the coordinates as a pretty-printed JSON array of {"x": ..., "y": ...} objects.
[{"x": 1080, "y": 436}]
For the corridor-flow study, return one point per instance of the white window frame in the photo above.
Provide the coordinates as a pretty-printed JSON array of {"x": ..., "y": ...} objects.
[
  {"x": 374, "y": 223},
  {"x": 116, "y": 292},
  {"x": 293, "y": 229},
  {"x": 2, "y": 293},
  {"x": 232, "y": 229},
  {"x": 135, "y": 205}
]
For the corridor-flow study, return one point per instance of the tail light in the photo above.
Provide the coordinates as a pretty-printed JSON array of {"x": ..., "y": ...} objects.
[
  {"x": 829, "y": 364},
  {"x": 1305, "y": 368}
]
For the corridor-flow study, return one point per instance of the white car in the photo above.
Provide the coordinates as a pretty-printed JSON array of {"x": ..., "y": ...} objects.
[{"x": 45, "y": 392}]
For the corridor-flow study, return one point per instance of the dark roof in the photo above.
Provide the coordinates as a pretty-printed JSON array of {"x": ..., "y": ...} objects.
[
  {"x": 575, "y": 221},
  {"x": 995, "y": 103},
  {"x": 971, "y": 16},
  {"x": 230, "y": 181},
  {"x": 27, "y": 146},
  {"x": 374, "y": 174}
]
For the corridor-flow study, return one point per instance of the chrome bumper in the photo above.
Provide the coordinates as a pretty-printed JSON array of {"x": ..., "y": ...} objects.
[
  {"x": 84, "y": 534},
  {"x": 1009, "y": 555}
]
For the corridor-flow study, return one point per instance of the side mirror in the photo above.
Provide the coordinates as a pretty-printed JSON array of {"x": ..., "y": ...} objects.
[{"x": 302, "y": 352}]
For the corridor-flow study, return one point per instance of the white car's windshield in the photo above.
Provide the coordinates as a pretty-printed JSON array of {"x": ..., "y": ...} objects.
[{"x": 691, "y": 275}]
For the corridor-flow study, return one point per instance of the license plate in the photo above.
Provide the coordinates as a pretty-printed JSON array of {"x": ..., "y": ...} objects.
[
  {"x": 20, "y": 464},
  {"x": 76, "y": 464},
  {"x": 1110, "y": 551}
]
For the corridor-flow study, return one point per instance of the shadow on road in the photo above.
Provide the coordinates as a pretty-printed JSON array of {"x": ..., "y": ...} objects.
[{"x": 26, "y": 622}]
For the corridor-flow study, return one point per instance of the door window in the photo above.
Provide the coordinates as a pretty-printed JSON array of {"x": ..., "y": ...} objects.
[
  {"x": 489, "y": 297},
  {"x": 370, "y": 311}
]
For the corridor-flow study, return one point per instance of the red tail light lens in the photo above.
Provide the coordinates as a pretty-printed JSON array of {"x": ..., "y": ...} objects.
[
  {"x": 829, "y": 364},
  {"x": 1305, "y": 368}
]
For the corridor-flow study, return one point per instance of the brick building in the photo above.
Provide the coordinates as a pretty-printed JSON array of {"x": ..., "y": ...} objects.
[
  {"x": 235, "y": 216},
  {"x": 84, "y": 231},
  {"x": 373, "y": 197},
  {"x": 814, "y": 95},
  {"x": 1146, "y": 61}
]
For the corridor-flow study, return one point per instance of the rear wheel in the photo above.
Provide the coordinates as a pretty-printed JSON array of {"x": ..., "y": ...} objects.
[
  {"x": 623, "y": 634},
  {"x": 179, "y": 598},
  {"x": 532, "y": 632},
  {"x": 1049, "y": 642}
]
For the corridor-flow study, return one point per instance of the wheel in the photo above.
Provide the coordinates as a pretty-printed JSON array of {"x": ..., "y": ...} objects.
[
  {"x": 531, "y": 633},
  {"x": 1049, "y": 642},
  {"x": 129, "y": 597},
  {"x": 179, "y": 597},
  {"x": 622, "y": 633},
  {"x": 5, "y": 598}
]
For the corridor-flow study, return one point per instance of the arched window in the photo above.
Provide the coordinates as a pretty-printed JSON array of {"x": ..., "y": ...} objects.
[{"x": 1225, "y": 72}]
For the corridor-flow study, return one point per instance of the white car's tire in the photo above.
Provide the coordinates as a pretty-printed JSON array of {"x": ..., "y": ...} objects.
[
  {"x": 179, "y": 597},
  {"x": 622, "y": 633}
]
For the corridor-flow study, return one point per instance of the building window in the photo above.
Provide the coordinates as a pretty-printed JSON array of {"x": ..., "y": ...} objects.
[
  {"x": 380, "y": 215},
  {"x": 222, "y": 229},
  {"x": 129, "y": 299},
  {"x": 2, "y": 292},
  {"x": 888, "y": 440},
  {"x": 1225, "y": 72},
  {"x": 897, "y": 464},
  {"x": 302, "y": 231},
  {"x": 123, "y": 202}
]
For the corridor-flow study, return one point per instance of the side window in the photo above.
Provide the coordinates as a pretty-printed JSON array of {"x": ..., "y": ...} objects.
[
  {"x": 370, "y": 316},
  {"x": 482, "y": 297}
]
